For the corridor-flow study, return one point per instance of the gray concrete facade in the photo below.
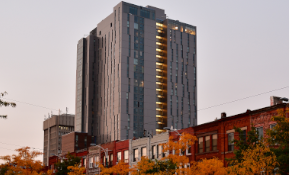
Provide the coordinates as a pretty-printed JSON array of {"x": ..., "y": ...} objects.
[
  {"x": 123, "y": 80},
  {"x": 54, "y": 127},
  {"x": 153, "y": 146}
]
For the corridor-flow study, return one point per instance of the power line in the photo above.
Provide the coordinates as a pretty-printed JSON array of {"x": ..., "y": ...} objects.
[
  {"x": 30, "y": 104},
  {"x": 170, "y": 116}
]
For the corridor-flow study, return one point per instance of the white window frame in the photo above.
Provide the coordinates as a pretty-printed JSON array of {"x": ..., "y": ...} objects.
[
  {"x": 126, "y": 160},
  {"x": 91, "y": 162},
  {"x": 119, "y": 153},
  {"x": 187, "y": 151}
]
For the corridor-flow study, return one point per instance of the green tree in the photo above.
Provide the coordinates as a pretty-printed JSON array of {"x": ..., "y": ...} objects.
[
  {"x": 278, "y": 139},
  {"x": 5, "y": 103},
  {"x": 245, "y": 142},
  {"x": 62, "y": 167}
]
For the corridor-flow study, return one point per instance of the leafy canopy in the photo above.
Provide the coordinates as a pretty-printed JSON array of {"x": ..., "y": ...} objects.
[
  {"x": 62, "y": 167},
  {"x": 22, "y": 163},
  {"x": 278, "y": 139},
  {"x": 5, "y": 103}
]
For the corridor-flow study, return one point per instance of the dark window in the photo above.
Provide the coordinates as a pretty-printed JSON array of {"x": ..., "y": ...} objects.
[
  {"x": 110, "y": 24},
  {"x": 215, "y": 142},
  {"x": 133, "y": 10},
  {"x": 243, "y": 136},
  {"x": 230, "y": 141},
  {"x": 145, "y": 13},
  {"x": 207, "y": 143},
  {"x": 154, "y": 152}
]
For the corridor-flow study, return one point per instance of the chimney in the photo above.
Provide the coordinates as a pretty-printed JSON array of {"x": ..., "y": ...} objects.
[{"x": 223, "y": 115}]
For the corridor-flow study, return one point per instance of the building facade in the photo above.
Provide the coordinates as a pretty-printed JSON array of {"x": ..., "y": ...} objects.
[
  {"x": 214, "y": 139},
  {"x": 136, "y": 71},
  {"x": 74, "y": 141},
  {"x": 54, "y": 128}
]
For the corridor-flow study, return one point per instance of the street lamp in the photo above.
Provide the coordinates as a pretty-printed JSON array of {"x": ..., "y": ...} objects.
[{"x": 104, "y": 150}]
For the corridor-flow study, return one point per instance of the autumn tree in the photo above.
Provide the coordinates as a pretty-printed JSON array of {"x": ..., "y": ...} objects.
[
  {"x": 5, "y": 103},
  {"x": 22, "y": 163},
  {"x": 121, "y": 168},
  {"x": 257, "y": 158},
  {"x": 278, "y": 139},
  {"x": 62, "y": 166},
  {"x": 76, "y": 170},
  {"x": 244, "y": 142},
  {"x": 207, "y": 167},
  {"x": 177, "y": 150}
]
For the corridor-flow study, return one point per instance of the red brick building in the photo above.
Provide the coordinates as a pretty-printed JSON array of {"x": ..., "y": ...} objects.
[
  {"x": 75, "y": 141},
  {"x": 214, "y": 138}
]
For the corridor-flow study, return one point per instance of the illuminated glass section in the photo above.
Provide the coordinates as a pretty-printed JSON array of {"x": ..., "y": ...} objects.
[{"x": 161, "y": 79}]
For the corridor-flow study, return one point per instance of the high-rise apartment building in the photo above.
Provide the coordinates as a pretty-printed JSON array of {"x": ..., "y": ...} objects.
[
  {"x": 136, "y": 71},
  {"x": 54, "y": 127}
]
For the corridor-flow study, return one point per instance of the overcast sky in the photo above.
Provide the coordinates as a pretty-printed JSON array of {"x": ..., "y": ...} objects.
[{"x": 243, "y": 50}]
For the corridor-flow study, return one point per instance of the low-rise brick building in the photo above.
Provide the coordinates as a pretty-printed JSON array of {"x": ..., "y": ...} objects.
[
  {"x": 75, "y": 141},
  {"x": 214, "y": 139}
]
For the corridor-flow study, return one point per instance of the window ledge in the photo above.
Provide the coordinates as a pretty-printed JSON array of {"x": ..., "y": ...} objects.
[{"x": 207, "y": 152}]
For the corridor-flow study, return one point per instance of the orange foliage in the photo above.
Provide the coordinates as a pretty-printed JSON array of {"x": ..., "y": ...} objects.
[
  {"x": 76, "y": 170},
  {"x": 258, "y": 158},
  {"x": 206, "y": 167},
  {"x": 121, "y": 168},
  {"x": 23, "y": 162},
  {"x": 143, "y": 166}
]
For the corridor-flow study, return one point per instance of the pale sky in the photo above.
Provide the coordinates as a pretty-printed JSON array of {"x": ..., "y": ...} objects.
[{"x": 243, "y": 50}]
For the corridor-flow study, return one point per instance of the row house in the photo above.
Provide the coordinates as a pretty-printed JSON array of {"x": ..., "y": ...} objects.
[
  {"x": 151, "y": 147},
  {"x": 214, "y": 139}
]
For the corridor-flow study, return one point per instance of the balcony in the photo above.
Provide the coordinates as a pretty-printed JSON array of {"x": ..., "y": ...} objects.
[
  {"x": 160, "y": 126},
  {"x": 160, "y": 120}
]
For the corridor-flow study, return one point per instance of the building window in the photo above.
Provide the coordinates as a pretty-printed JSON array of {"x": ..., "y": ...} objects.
[
  {"x": 200, "y": 142},
  {"x": 135, "y": 155},
  {"x": 84, "y": 162},
  {"x": 111, "y": 159},
  {"x": 119, "y": 156},
  {"x": 104, "y": 160},
  {"x": 133, "y": 10},
  {"x": 230, "y": 141},
  {"x": 160, "y": 151},
  {"x": 189, "y": 150},
  {"x": 272, "y": 126},
  {"x": 207, "y": 143},
  {"x": 91, "y": 162},
  {"x": 96, "y": 161},
  {"x": 126, "y": 156},
  {"x": 260, "y": 132},
  {"x": 243, "y": 136},
  {"x": 154, "y": 152},
  {"x": 215, "y": 142},
  {"x": 144, "y": 152}
]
